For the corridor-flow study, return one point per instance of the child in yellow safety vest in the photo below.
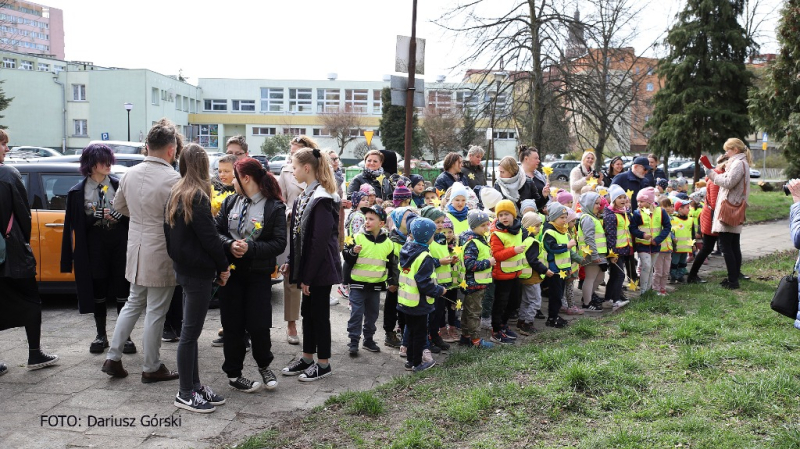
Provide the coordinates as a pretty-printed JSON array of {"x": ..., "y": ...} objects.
[
  {"x": 559, "y": 247},
  {"x": 456, "y": 209},
  {"x": 592, "y": 246},
  {"x": 478, "y": 263},
  {"x": 530, "y": 206},
  {"x": 661, "y": 269},
  {"x": 568, "y": 305},
  {"x": 370, "y": 262},
  {"x": 684, "y": 230},
  {"x": 418, "y": 290},
  {"x": 534, "y": 269},
  {"x": 451, "y": 321},
  {"x": 443, "y": 262},
  {"x": 616, "y": 223},
  {"x": 507, "y": 249},
  {"x": 697, "y": 198},
  {"x": 650, "y": 225}
]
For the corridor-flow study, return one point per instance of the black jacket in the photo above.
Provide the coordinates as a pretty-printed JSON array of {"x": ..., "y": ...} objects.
[
  {"x": 478, "y": 175},
  {"x": 350, "y": 259},
  {"x": 261, "y": 255},
  {"x": 195, "y": 248},
  {"x": 383, "y": 190},
  {"x": 20, "y": 263},
  {"x": 74, "y": 253},
  {"x": 314, "y": 257},
  {"x": 628, "y": 181},
  {"x": 528, "y": 191}
]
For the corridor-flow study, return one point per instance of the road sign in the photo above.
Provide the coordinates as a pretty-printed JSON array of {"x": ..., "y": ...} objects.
[
  {"x": 401, "y": 60},
  {"x": 104, "y": 136},
  {"x": 368, "y": 135},
  {"x": 399, "y": 84},
  {"x": 765, "y": 138},
  {"x": 764, "y": 146}
]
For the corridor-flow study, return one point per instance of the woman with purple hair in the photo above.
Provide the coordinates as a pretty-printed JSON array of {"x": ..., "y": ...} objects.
[{"x": 95, "y": 242}]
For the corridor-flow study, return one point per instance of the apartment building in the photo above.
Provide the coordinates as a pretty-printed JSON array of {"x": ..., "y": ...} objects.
[{"x": 28, "y": 27}]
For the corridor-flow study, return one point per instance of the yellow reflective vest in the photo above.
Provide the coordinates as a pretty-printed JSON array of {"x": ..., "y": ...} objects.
[
  {"x": 562, "y": 260},
  {"x": 623, "y": 231},
  {"x": 527, "y": 270},
  {"x": 407, "y": 293},
  {"x": 458, "y": 226},
  {"x": 651, "y": 224},
  {"x": 484, "y": 253},
  {"x": 599, "y": 236},
  {"x": 370, "y": 266},
  {"x": 512, "y": 264},
  {"x": 444, "y": 273},
  {"x": 682, "y": 228}
]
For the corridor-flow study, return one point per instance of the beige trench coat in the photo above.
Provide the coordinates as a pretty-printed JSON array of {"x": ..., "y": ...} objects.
[
  {"x": 143, "y": 193},
  {"x": 290, "y": 190},
  {"x": 734, "y": 185}
]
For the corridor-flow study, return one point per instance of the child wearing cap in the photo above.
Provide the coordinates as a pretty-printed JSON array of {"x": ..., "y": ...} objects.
[
  {"x": 684, "y": 230},
  {"x": 457, "y": 209},
  {"x": 370, "y": 191},
  {"x": 401, "y": 196},
  {"x": 370, "y": 262},
  {"x": 352, "y": 226},
  {"x": 417, "y": 191},
  {"x": 401, "y": 218},
  {"x": 558, "y": 246},
  {"x": 507, "y": 249},
  {"x": 478, "y": 263},
  {"x": 568, "y": 304},
  {"x": 430, "y": 196},
  {"x": 616, "y": 224},
  {"x": 592, "y": 245},
  {"x": 418, "y": 290},
  {"x": 442, "y": 261},
  {"x": 534, "y": 269},
  {"x": 650, "y": 225},
  {"x": 661, "y": 268}
]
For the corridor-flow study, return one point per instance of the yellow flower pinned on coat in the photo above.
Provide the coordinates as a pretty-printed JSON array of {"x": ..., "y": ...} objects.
[
  {"x": 562, "y": 274},
  {"x": 458, "y": 304},
  {"x": 586, "y": 250},
  {"x": 645, "y": 211},
  {"x": 531, "y": 229},
  {"x": 349, "y": 240},
  {"x": 633, "y": 285},
  {"x": 257, "y": 225},
  {"x": 629, "y": 193},
  {"x": 678, "y": 226},
  {"x": 471, "y": 176},
  {"x": 380, "y": 178},
  {"x": 487, "y": 234},
  {"x": 612, "y": 254},
  {"x": 592, "y": 182},
  {"x": 547, "y": 171},
  {"x": 231, "y": 267},
  {"x": 105, "y": 189},
  {"x": 463, "y": 284}
]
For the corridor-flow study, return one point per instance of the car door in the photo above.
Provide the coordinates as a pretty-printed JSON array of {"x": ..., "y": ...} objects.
[{"x": 50, "y": 222}]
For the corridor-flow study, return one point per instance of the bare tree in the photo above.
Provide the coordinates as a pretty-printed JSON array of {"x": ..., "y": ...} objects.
[
  {"x": 755, "y": 13},
  {"x": 343, "y": 126},
  {"x": 440, "y": 128}
]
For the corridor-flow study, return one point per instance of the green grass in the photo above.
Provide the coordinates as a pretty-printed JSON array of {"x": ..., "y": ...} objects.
[
  {"x": 701, "y": 368},
  {"x": 765, "y": 206}
]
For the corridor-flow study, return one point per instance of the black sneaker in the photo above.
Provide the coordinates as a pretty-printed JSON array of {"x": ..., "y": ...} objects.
[
  {"x": 464, "y": 341},
  {"x": 169, "y": 335},
  {"x": 315, "y": 372},
  {"x": 371, "y": 346},
  {"x": 209, "y": 396},
  {"x": 218, "y": 342},
  {"x": 695, "y": 280},
  {"x": 3, "y": 368},
  {"x": 129, "y": 347},
  {"x": 244, "y": 384},
  {"x": 743, "y": 277},
  {"x": 391, "y": 340},
  {"x": 214, "y": 303},
  {"x": 437, "y": 340},
  {"x": 594, "y": 307},
  {"x": 195, "y": 403},
  {"x": 270, "y": 381},
  {"x": 539, "y": 315},
  {"x": 296, "y": 367},
  {"x": 435, "y": 349},
  {"x": 556, "y": 322},
  {"x": 352, "y": 349},
  {"x": 39, "y": 360},
  {"x": 408, "y": 366},
  {"x": 99, "y": 344}
]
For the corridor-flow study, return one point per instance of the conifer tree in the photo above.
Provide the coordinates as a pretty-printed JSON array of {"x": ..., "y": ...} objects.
[{"x": 4, "y": 102}]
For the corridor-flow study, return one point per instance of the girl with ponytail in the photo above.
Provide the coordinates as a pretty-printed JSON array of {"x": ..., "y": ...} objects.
[
  {"x": 252, "y": 227},
  {"x": 314, "y": 263}
]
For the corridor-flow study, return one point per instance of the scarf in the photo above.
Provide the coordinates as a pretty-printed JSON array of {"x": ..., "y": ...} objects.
[
  {"x": 564, "y": 229},
  {"x": 372, "y": 174},
  {"x": 460, "y": 215},
  {"x": 510, "y": 186}
]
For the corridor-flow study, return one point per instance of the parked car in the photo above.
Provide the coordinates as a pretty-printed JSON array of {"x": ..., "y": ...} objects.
[
  {"x": 121, "y": 146},
  {"x": 261, "y": 158},
  {"x": 561, "y": 169},
  {"x": 126, "y": 160},
  {"x": 47, "y": 185},
  {"x": 686, "y": 170},
  {"x": 277, "y": 162},
  {"x": 26, "y": 152},
  {"x": 755, "y": 173}
]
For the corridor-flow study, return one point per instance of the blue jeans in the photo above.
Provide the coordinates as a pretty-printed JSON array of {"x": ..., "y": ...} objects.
[
  {"x": 677, "y": 268},
  {"x": 365, "y": 306}
]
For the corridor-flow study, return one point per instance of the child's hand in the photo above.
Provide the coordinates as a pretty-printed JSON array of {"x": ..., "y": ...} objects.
[
  {"x": 392, "y": 288},
  {"x": 445, "y": 260},
  {"x": 357, "y": 249},
  {"x": 647, "y": 237},
  {"x": 572, "y": 244},
  {"x": 519, "y": 249},
  {"x": 453, "y": 259},
  {"x": 492, "y": 261},
  {"x": 549, "y": 273}
]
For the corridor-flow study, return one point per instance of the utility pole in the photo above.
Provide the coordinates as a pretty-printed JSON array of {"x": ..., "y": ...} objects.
[{"x": 412, "y": 67}]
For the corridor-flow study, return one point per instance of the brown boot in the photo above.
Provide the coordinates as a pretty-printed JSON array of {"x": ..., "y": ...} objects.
[
  {"x": 114, "y": 368},
  {"x": 159, "y": 375}
]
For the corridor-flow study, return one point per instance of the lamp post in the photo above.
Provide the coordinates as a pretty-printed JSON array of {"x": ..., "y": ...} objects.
[{"x": 128, "y": 107}]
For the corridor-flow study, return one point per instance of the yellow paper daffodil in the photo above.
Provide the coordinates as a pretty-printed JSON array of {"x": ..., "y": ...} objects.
[
  {"x": 531, "y": 229},
  {"x": 436, "y": 202},
  {"x": 592, "y": 182},
  {"x": 633, "y": 285},
  {"x": 553, "y": 191},
  {"x": 105, "y": 189},
  {"x": 562, "y": 274},
  {"x": 678, "y": 226},
  {"x": 257, "y": 225},
  {"x": 471, "y": 176},
  {"x": 463, "y": 284},
  {"x": 612, "y": 254},
  {"x": 458, "y": 304},
  {"x": 586, "y": 250},
  {"x": 349, "y": 240},
  {"x": 439, "y": 193},
  {"x": 629, "y": 193},
  {"x": 547, "y": 171},
  {"x": 603, "y": 192},
  {"x": 232, "y": 267},
  {"x": 458, "y": 250},
  {"x": 380, "y": 179}
]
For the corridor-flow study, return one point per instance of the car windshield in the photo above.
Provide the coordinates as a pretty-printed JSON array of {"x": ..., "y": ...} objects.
[{"x": 125, "y": 149}]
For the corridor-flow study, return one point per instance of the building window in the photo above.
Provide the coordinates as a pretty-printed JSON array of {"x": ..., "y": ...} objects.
[
  {"x": 154, "y": 96},
  {"x": 164, "y": 95},
  {"x": 466, "y": 99},
  {"x": 186, "y": 104},
  {"x": 44, "y": 67},
  {"x": 215, "y": 105},
  {"x": 208, "y": 136},
  {"x": 328, "y": 100},
  {"x": 294, "y": 131},
  {"x": 81, "y": 128},
  {"x": 178, "y": 103},
  {"x": 377, "y": 104},
  {"x": 271, "y": 99},
  {"x": 262, "y": 131},
  {"x": 26, "y": 65},
  {"x": 9, "y": 63},
  {"x": 649, "y": 71},
  {"x": 243, "y": 105},
  {"x": 300, "y": 100},
  {"x": 440, "y": 100},
  {"x": 320, "y": 132},
  {"x": 504, "y": 135},
  {"x": 649, "y": 87},
  {"x": 78, "y": 92},
  {"x": 355, "y": 100},
  {"x": 356, "y": 133},
  {"x": 59, "y": 68}
]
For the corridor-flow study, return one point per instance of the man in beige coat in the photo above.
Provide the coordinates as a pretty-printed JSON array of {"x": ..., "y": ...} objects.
[{"x": 142, "y": 195}]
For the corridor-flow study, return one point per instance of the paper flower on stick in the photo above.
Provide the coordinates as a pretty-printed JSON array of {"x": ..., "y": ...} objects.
[
  {"x": 633, "y": 285},
  {"x": 232, "y": 267},
  {"x": 586, "y": 250},
  {"x": 458, "y": 304},
  {"x": 463, "y": 284},
  {"x": 553, "y": 191},
  {"x": 592, "y": 182},
  {"x": 547, "y": 171},
  {"x": 603, "y": 192},
  {"x": 257, "y": 225},
  {"x": 458, "y": 250},
  {"x": 629, "y": 193},
  {"x": 436, "y": 202},
  {"x": 562, "y": 274},
  {"x": 439, "y": 193},
  {"x": 612, "y": 254},
  {"x": 349, "y": 240}
]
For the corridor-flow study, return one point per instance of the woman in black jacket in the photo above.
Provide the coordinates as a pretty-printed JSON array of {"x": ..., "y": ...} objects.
[
  {"x": 513, "y": 184},
  {"x": 252, "y": 228},
  {"x": 374, "y": 175},
  {"x": 198, "y": 259},
  {"x": 100, "y": 237}
]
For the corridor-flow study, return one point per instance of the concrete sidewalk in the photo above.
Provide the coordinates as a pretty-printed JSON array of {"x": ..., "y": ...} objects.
[{"x": 75, "y": 392}]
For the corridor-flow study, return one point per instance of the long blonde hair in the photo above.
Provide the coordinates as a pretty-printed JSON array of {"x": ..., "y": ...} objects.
[
  {"x": 194, "y": 178},
  {"x": 320, "y": 162},
  {"x": 734, "y": 143}
]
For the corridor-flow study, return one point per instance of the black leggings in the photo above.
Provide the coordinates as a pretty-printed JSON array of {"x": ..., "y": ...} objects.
[
  {"x": 316, "y": 312},
  {"x": 616, "y": 277},
  {"x": 246, "y": 305},
  {"x": 709, "y": 241},
  {"x": 732, "y": 251},
  {"x": 555, "y": 292},
  {"x": 418, "y": 336}
]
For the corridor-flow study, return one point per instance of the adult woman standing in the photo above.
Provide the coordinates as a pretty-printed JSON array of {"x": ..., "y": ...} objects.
[
  {"x": 580, "y": 175},
  {"x": 794, "y": 226},
  {"x": 251, "y": 225},
  {"x": 513, "y": 184},
  {"x": 290, "y": 190},
  {"x": 529, "y": 157},
  {"x": 706, "y": 219},
  {"x": 198, "y": 259},
  {"x": 373, "y": 175},
  {"x": 734, "y": 189},
  {"x": 21, "y": 305},
  {"x": 615, "y": 167},
  {"x": 100, "y": 242},
  {"x": 314, "y": 262},
  {"x": 451, "y": 173}
]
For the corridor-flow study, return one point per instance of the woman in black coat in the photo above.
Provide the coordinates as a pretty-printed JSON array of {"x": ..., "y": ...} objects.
[
  {"x": 19, "y": 294},
  {"x": 95, "y": 241},
  {"x": 374, "y": 175}
]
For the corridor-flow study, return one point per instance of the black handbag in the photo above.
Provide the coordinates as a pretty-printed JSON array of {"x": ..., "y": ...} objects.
[{"x": 785, "y": 299}]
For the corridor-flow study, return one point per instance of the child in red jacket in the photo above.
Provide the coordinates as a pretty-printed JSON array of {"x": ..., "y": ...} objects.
[{"x": 508, "y": 250}]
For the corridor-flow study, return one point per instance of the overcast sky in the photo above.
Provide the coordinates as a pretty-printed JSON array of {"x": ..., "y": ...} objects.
[{"x": 278, "y": 39}]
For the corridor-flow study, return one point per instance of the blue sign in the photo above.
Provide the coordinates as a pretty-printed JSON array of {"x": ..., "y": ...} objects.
[{"x": 104, "y": 136}]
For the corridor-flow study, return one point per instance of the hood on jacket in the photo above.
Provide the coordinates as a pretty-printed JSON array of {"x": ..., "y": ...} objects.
[
  {"x": 395, "y": 236},
  {"x": 382, "y": 236},
  {"x": 587, "y": 202},
  {"x": 410, "y": 252}
]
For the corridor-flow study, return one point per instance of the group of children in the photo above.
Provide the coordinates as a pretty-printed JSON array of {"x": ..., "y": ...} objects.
[{"x": 438, "y": 252}]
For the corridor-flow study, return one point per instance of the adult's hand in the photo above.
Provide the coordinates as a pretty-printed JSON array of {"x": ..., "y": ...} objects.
[{"x": 794, "y": 189}]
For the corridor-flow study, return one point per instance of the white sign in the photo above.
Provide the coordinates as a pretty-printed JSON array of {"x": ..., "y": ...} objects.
[
  {"x": 765, "y": 138},
  {"x": 489, "y": 133},
  {"x": 401, "y": 60}
]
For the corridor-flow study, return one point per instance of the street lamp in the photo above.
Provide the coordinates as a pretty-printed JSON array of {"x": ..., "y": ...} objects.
[
  {"x": 498, "y": 78},
  {"x": 128, "y": 107}
]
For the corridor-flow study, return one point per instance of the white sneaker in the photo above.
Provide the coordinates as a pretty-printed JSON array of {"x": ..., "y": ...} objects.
[
  {"x": 427, "y": 356},
  {"x": 486, "y": 323},
  {"x": 334, "y": 301},
  {"x": 403, "y": 351}
]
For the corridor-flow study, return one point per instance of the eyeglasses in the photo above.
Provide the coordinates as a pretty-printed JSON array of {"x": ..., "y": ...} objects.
[
  {"x": 236, "y": 154},
  {"x": 298, "y": 140},
  {"x": 334, "y": 158}
]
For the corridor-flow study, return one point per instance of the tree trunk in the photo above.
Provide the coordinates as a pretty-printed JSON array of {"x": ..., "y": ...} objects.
[{"x": 537, "y": 114}]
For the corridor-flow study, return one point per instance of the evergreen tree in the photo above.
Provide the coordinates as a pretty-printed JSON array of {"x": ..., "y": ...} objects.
[
  {"x": 393, "y": 127},
  {"x": 4, "y": 102},
  {"x": 704, "y": 98},
  {"x": 774, "y": 107}
]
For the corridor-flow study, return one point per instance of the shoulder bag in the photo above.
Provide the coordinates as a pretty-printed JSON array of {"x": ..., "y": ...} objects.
[
  {"x": 785, "y": 299},
  {"x": 734, "y": 214}
]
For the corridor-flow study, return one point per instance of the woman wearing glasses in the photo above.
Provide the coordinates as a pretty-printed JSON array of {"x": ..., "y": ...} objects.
[{"x": 374, "y": 175}]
